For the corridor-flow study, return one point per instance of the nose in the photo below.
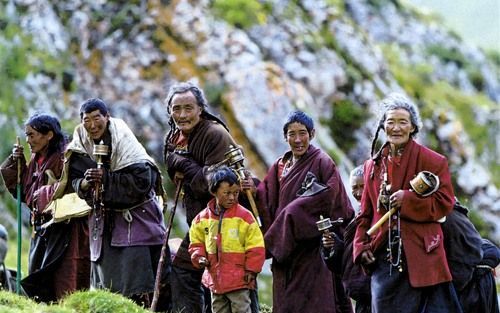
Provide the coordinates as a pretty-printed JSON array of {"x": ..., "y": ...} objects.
[{"x": 182, "y": 113}]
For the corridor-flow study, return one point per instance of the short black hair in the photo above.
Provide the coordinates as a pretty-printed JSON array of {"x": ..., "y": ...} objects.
[
  {"x": 301, "y": 118},
  {"x": 220, "y": 175},
  {"x": 90, "y": 105}
]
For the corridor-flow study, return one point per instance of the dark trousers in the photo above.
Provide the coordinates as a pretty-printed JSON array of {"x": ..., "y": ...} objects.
[
  {"x": 187, "y": 292},
  {"x": 392, "y": 293}
]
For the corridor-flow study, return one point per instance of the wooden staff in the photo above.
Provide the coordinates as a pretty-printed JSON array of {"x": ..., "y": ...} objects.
[
  {"x": 164, "y": 248},
  {"x": 381, "y": 221},
  {"x": 19, "y": 221}
]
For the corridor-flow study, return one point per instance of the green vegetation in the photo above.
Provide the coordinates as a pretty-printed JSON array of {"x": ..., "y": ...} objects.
[
  {"x": 440, "y": 95},
  {"x": 447, "y": 55},
  {"x": 242, "y": 13},
  {"x": 94, "y": 301},
  {"x": 346, "y": 115}
]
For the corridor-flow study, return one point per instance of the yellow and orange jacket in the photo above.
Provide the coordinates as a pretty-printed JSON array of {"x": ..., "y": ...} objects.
[{"x": 233, "y": 244}]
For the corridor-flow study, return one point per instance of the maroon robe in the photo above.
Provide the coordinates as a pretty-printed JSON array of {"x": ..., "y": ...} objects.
[
  {"x": 301, "y": 280},
  {"x": 421, "y": 233},
  {"x": 59, "y": 255}
]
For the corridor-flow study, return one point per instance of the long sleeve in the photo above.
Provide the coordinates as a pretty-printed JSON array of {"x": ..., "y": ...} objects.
[
  {"x": 254, "y": 249},
  {"x": 197, "y": 243}
]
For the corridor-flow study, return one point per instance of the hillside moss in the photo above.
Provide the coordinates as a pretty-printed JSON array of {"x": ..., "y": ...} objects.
[
  {"x": 242, "y": 13},
  {"x": 347, "y": 115},
  {"x": 417, "y": 82}
]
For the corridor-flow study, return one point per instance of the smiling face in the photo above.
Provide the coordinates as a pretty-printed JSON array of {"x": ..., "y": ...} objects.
[
  {"x": 357, "y": 186},
  {"x": 38, "y": 142},
  {"x": 185, "y": 111},
  {"x": 227, "y": 195},
  {"x": 95, "y": 123},
  {"x": 398, "y": 127},
  {"x": 298, "y": 139}
]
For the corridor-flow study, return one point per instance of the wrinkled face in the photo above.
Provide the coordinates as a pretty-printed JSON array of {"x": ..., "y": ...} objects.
[
  {"x": 38, "y": 142},
  {"x": 185, "y": 111},
  {"x": 298, "y": 139},
  {"x": 95, "y": 123},
  {"x": 227, "y": 196},
  {"x": 357, "y": 186},
  {"x": 398, "y": 127}
]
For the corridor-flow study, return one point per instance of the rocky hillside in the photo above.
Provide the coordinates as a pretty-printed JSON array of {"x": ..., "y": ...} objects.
[{"x": 257, "y": 60}]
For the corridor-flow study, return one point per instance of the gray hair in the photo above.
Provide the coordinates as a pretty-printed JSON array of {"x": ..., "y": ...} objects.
[
  {"x": 183, "y": 87},
  {"x": 358, "y": 171},
  {"x": 395, "y": 101}
]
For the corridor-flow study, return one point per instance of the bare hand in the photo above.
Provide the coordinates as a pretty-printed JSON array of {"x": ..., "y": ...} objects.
[
  {"x": 397, "y": 199},
  {"x": 203, "y": 261},
  {"x": 178, "y": 178},
  {"x": 18, "y": 152},
  {"x": 247, "y": 183},
  {"x": 250, "y": 277},
  {"x": 367, "y": 257},
  {"x": 94, "y": 175},
  {"x": 328, "y": 240}
]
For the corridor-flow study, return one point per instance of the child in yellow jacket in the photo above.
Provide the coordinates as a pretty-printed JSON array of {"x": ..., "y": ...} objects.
[{"x": 227, "y": 242}]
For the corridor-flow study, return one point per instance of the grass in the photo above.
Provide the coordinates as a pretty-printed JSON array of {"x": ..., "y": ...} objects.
[{"x": 93, "y": 301}]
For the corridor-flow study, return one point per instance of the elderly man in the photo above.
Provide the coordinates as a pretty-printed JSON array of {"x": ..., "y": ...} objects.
[
  {"x": 121, "y": 183},
  {"x": 195, "y": 141}
]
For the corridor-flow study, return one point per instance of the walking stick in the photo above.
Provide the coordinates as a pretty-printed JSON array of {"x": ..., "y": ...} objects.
[
  {"x": 19, "y": 221},
  {"x": 164, "y": 248}
]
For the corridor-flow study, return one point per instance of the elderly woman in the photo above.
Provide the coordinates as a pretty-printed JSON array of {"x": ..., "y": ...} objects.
[
  {"x": 59, "y": 258},
  {"x": 405, "y": 256}
]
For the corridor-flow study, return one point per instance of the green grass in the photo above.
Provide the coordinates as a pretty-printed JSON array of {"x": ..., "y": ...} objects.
[{"x": 93, "y": 301}]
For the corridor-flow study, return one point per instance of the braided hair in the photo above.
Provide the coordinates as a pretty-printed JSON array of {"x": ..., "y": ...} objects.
[{"x": 395, "y": 101}]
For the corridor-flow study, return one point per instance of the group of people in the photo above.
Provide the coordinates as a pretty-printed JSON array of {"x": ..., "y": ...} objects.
[{"x": 400, "y": 265}]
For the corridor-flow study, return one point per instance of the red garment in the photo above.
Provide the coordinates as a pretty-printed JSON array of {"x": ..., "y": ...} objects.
[
  {"x": 420, "y": 232},
  {"x": 59, "y": 260},
  {"x": 301, "y": 280},
  {"x": 233, "y": 244}
]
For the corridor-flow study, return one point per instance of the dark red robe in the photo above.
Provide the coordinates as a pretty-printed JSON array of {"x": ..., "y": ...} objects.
[
  {"x": 59, "y": 260},
  {"x": 301, "y": 280}
]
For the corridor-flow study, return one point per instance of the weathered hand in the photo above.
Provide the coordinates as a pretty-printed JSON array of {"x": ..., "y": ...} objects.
[
  {"x": 328, "y": 240},
  {"x": 178, "y": 178},
  {"x": 397, "y": 199},
  {"x": 18, "y": 152},
  {"x": 247, "y": 183},
  {"x": 367, "y": 257},
  {"x": 94, "y": 175}
]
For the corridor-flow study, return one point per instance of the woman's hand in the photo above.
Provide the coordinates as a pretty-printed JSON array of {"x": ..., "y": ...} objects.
[
  {"x": 367, "y": 257},
  {"x": 18, "y": 152},
  {"x": 396, "y": 199}
]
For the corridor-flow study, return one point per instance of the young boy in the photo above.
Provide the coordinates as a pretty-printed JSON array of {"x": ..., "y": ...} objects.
[{"x": 227, "y": 242}]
